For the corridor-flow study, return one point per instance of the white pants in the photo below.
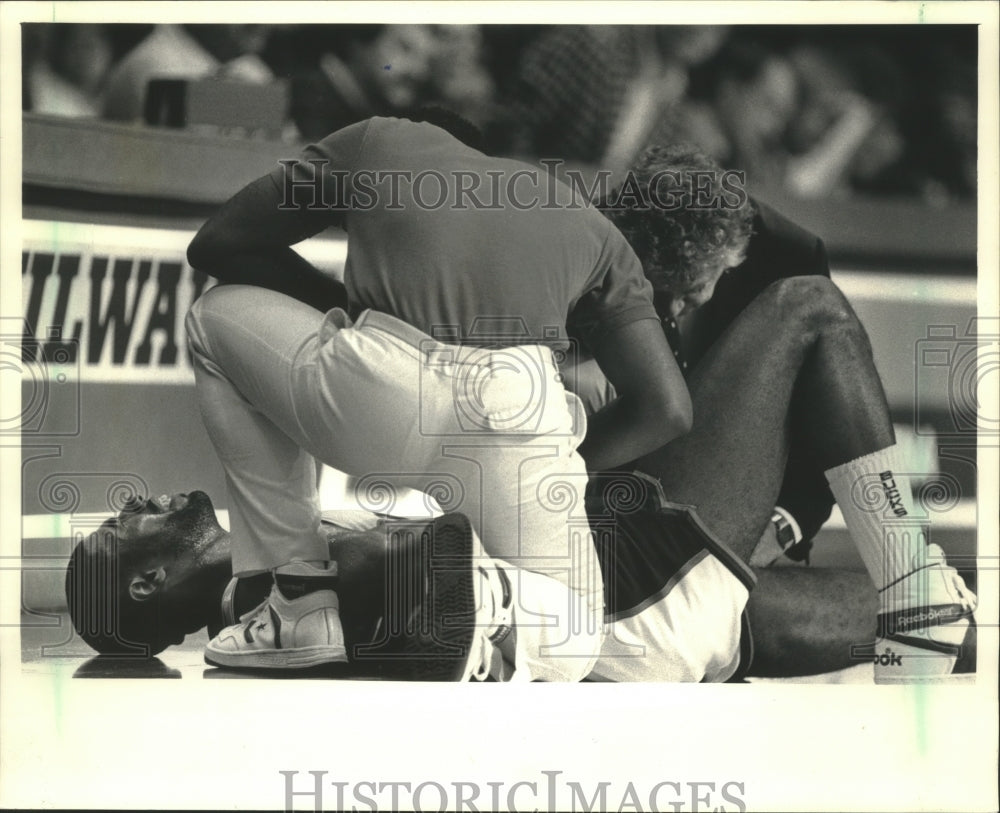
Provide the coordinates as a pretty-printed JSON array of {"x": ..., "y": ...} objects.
[{"x": 487, "y": 432}]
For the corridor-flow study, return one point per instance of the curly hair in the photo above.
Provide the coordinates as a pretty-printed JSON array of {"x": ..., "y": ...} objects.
[
  {"x": 99, "y": 605},
  {"x": 681, "y": 213}
]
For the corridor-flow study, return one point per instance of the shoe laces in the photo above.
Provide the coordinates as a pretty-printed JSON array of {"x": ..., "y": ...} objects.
[
  {"x": 936, "y": 567},
  {"x": 957, "y": 587},
  {"x": 954, "y": 584}
]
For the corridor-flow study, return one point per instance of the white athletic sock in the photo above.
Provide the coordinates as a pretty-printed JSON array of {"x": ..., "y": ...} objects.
[
  {"x": 924, "y": 606},
  {"x": 876, "y": 502}
]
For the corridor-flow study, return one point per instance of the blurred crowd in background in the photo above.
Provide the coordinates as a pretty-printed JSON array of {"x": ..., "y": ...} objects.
[{"x": 821, "y": 111}]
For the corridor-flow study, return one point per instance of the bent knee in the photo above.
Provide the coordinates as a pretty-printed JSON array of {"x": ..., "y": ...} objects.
[
  {"x": 218, "y": 299},
  {"x": 195, "y": 320},
  {"x": 803, "y": 292},
  {"x": 812, "y": 301}
]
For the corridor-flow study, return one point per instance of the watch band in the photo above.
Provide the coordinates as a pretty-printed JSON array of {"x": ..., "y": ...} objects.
[{"x": 786, "y": 528}]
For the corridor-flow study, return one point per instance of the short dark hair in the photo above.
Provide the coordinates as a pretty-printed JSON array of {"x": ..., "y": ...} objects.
[
  {"x": 103, "y": 613},
  {"x": 677, "y": 244}
]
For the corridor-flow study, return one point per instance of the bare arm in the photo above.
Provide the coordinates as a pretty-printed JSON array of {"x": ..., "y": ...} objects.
[
  {"x": 653, "y": 406},
  {"x": 248, "y": 241}
]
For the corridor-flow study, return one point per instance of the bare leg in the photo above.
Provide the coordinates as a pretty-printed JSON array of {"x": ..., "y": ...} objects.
[
  {"x": 799, "y": 335},
  {"x": 806, "y": 621}
]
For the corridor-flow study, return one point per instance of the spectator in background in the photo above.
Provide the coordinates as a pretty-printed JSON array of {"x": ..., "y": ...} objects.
[
  {"x": 459, "y": 80},
  {"x": 832, "y": 111},
  {"x": 926, "y": 81},
  {"x": 342, "y": 74},
  {"x": 594, "y": 94},
  {"x": 503, "y": 49},
  {"x": 64, "y": 66},
  {"x": 740, "y": 105},
  {"x": 793, "y": 118},
  {"x": 184, "y": 52},
  {"x": 841, "y": 135}
]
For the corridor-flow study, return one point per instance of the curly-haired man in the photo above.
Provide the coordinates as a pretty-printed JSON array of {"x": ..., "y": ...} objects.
[
  {"x": 687, "y": 219},
  {"x": 709, "y": 250}
]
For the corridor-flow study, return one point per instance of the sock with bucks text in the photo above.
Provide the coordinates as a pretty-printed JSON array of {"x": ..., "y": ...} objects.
[
  {"x": 924, "y": 606},
  {"x": 876, "y": 502}
]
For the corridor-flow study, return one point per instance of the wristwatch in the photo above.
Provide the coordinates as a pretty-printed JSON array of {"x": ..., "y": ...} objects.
[{"x": 786, "y": 528}]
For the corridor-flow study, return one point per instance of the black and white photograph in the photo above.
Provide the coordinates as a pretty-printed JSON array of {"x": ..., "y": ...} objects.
[{"x": 499, "y": 406}]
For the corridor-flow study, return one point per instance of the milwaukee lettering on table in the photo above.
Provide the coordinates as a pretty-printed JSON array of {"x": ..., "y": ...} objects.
[{"x": 107, "y": 303}]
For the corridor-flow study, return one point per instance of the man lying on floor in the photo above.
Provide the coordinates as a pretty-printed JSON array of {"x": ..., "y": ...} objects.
[
  {"x": 676, "y": 581},
  {"x": 179, "y": 560}
]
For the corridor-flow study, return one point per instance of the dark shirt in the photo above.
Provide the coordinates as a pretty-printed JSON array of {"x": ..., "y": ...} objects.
[{"x": 778, "y": 249}]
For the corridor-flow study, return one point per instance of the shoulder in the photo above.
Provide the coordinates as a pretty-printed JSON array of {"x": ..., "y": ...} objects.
[
  {"x": 770, "y": 222},
  {"x": 381, "y": 137},
  {"x": 342, "y": 143},
  {"x": 404, "y": 132},
  {"x": 615, "y": 243},
  {"x": 784, "y": 246}
]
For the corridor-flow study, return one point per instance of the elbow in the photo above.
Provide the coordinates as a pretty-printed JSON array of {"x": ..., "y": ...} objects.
[
  {"x": 199, "y": 251},
  {"x": 679, "y": 414},
  {"x": 673, "y": 416},
  {"x": 663, "y": 413},
  {"x": 206, "y": 249}
]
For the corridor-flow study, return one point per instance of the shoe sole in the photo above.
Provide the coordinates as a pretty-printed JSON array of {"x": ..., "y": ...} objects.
[
  {"x": 438, "y": 569},
  {"x": 296, "y": 658},
  {"x": 940, "y": 680},
  {"x": 964, "y": 653}
]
